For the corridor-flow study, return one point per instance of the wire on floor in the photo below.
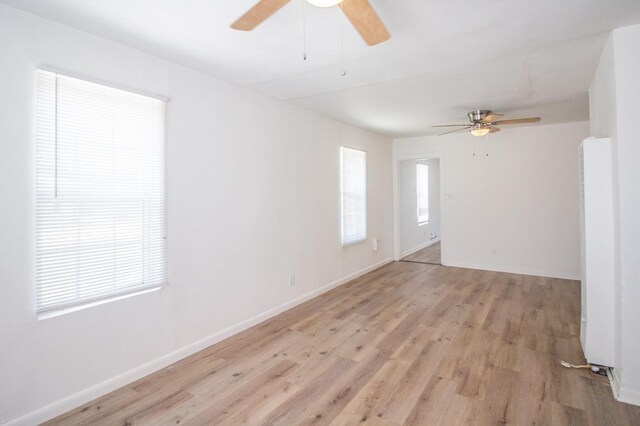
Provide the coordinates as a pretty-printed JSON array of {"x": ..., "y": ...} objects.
[
  {"x": 567, "y": 365},
  {"x": 595, "y": 369}
]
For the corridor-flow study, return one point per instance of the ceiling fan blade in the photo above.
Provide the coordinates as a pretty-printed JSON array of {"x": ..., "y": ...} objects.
[
  {"x": 365, "y": 20},
  {"x": 517, "y": 121},
  {"x": 258, "y": 14},
  {"x": 493, "y": 129},
  {"x": 452, "y": 125},
  {"x": 491, "y": 117},
  {"x": 457, "y": 130}
]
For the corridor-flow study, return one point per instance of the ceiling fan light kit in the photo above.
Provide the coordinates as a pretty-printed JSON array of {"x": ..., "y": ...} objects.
[
  {"x": 484, "y": 121},
  {"x": 480, "y": 130},
  {"x": 359, "y": 12}
]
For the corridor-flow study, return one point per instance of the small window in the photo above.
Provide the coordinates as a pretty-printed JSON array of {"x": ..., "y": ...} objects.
[
  {"x": 354, "y": 195},
  {"x": 422, "y": 190},
  {"x": 100, "y": 193}
]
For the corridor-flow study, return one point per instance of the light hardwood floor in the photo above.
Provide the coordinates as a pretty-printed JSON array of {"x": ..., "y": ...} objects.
[
  {"x": 430, "y": 254},
  {"x": 407, "y": 344}
]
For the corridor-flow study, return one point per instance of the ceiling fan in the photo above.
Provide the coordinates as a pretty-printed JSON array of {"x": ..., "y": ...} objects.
[
  {"x": 484, "y": 121},
  {"x": 359, "y": 12}
]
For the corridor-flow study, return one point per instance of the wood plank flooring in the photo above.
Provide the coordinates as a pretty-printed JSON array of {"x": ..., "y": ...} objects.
[
  {"x": 409, "y": 343},
  {"x": 430, "y": 254}
]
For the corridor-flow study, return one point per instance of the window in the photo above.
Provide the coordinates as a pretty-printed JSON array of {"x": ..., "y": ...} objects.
[
  {"x": 354, "y": 195},
  {"x": 422, "y": 190},
  {"x": 100, "y": 193}
]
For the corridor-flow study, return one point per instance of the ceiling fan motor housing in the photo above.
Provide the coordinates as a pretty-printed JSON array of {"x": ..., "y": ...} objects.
[{"x": 478, "y": 115}]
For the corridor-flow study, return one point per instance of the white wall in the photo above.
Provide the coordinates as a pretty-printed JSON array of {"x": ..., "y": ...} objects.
[
  {"x": 413, "y": 235},
  {"x": 615, "y": 107},
  {"x": 603, "y": 123},
  {"x": 253, "y": 196},
  {"x": 518, "y": 196}
]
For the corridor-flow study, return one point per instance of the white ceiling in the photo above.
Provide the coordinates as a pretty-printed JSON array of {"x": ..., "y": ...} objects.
[{"x": 445, "y": 57}]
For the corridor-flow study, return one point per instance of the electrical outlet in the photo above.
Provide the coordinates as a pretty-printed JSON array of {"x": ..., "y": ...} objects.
[{"x": 292, "y": 280}]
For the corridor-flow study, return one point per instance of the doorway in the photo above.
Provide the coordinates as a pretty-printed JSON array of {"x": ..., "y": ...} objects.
[{"x": 419, "y": 211}]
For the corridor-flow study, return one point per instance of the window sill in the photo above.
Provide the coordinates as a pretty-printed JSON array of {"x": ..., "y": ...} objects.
[
  {"x": 67, "y": 310},
  {"x": 354, "y": 243},
  {"x": 423, "y": 223}
]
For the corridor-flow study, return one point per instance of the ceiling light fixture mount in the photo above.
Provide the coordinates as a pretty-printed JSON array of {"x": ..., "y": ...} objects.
[{"x": 324, "y": 3}]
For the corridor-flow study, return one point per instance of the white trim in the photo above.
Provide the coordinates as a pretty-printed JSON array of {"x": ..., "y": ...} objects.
[
  {"x": 354, "y": 242},
  {"x": 614, "y": 380},
  {"x": 435, "y": 155},
  {"x": 420, "y": 247},
  {"x": 78, "y": 76},
  {"x": 62, "y": 406},
  {"x": 534, "y": 272},
  {"x": 347, "y": 243},
  {"x": 629, "y": 396},
  {"x": 55, "y": 312}
]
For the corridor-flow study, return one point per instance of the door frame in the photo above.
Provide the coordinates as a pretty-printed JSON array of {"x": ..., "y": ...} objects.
[{"x": 436, "y": 155}]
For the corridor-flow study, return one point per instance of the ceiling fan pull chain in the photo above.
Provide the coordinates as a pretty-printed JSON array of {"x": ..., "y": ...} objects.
[
  {"x": 304, "y": 30},
  {"x": 343, "y": 73}
]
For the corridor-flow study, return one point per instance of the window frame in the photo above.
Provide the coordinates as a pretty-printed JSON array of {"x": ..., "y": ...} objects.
[
  {"x": 420, "y": 192},
  {"x": 363, "y": 237},
  {"x": 72, "y": 305}
]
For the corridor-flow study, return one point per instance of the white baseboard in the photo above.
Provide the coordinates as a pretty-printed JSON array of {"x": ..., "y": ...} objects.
[
  {"x": 62, "y": 406},
  {"x": 629, "y": 396},
  {"x": 420, "y": 247},
  {"x": 614, "y": 380},
  {"x": 519, "y": 271},
  {"x": 626, "y": 395}
]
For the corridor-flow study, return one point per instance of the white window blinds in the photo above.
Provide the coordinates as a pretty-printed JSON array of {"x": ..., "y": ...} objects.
[
  {"x": 100, "y": 192},
  {"x": 422, "y": 189},
  {"x": 354, "y": 195}
]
